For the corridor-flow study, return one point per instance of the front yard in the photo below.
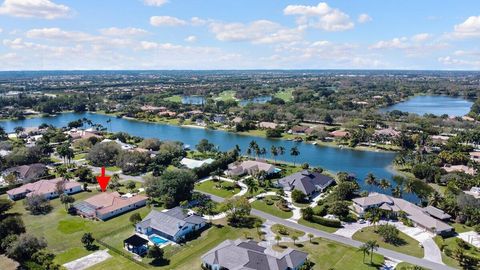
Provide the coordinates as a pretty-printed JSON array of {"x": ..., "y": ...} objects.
[
  {"x": 268, "y": 205},
  {"x": 327, "y": 254},
  {"x": 410, "y": 246}
]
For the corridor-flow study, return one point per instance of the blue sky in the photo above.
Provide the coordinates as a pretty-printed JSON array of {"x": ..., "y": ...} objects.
[{"x": 246, "y": 34}]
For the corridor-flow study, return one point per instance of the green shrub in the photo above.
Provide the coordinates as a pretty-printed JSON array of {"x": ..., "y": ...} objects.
[{"x": 326, "y": 222}]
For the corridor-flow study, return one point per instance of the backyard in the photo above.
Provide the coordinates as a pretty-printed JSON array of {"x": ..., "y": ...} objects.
[{"x": 219, "y": 188}]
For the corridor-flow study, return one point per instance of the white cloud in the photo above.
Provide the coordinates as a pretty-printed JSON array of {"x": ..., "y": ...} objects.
[
  {"x": 166, "y": 21},
  {"x": 364, "y": 17},
  {"x": 469, "y": 28},
  {"x": 261, "y": 31},
  {"x": 321, "y": 16},
  {"x": 417, "y": 45},
  {"x": 459, "y": 63},
  {"x": 45, "y": 9},
  {"x": 129, "y": 31},
  {"x": 196, "y": 21},
  {"x": 59, "y": 34},
  {"x": 156, "y": 3},
  {"x": 191, "y": 39},
  {"x": 422, "y": 37}
]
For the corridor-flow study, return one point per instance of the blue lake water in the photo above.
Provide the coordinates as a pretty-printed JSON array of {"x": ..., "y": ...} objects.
[
  {"x": 193, "y": 100},
  {"x": 333, "y": 159},
  {"x": 259, "y": 99},
  {"x": 437, "y": 105}
]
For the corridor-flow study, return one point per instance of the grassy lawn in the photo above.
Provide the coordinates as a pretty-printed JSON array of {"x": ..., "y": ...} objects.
[
  {"x": 461, "y": 228},
  {"x": 210, "y": 187},
  {"x": 80, "y": 156},
  {"x": 117, "y": 262},
  {"x": 271, "y": 209},
  {"x": 327, "y": 254},
  {"x": 411, "y": 246},
  {"x": 285, "y": 94},
  {"x": 451, "y": 244},
  {"x": 226, "y": 95},
  {"x": 175, "y": 98},
  {"x": 404, "y": 266},
  {"x": 317, "y": 226},
  {"x": 289, "y": 231},
  {"x": 112, "y": 168},
  {"x": 63, "y": 231}
]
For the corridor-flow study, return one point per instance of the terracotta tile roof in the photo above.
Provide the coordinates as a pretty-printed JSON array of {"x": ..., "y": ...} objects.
[
  {"x": 42, "y": 187},
  {"x": 106, "y": 202}
]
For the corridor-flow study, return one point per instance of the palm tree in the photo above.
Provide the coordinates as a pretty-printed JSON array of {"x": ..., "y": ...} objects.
[
  {"x": 434, "y": 199},
  {"x": 409, "y": 186},
  {"x": 294, "y": 238},
  {"x": 281, "y": 150},
  {"x": 252, "y": 185},
  {"x": 397, "y": 191},
  {"x": 237, "y": 148},
  {"x": 365, "y": 250},
  {"x": 18, "y": 130},
  {"x": 263, "y": 152},
  {"x": 310, "y": 236},
  {"x": 370, "y": 179},
  {"x": 384, "y": 184},
  {"x": 278, "y": 238},
  {"x": 294, "y": 152},
  {"x": 372, "y": 246},
  {"x": 274, "y": 152}
]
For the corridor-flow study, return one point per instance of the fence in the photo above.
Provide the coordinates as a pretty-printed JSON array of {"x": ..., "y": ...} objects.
[{"x": 123, "y": 254}]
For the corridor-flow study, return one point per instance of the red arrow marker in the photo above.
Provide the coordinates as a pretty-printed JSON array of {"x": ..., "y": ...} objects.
[{"x": 103, "y": 180}]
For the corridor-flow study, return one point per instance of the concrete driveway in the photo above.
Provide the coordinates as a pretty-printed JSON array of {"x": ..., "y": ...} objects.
[{"x": 88, "y": 261}]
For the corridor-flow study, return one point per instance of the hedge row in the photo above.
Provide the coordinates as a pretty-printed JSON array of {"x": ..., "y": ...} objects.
[{"x": 326, "y": 221}]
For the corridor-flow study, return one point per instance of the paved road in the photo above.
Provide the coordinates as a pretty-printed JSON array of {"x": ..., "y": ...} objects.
[{"x": 347, "y": 241}]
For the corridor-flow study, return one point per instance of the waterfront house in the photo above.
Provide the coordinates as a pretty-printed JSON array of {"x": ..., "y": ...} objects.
[
  {"x": 430, "y": 219},
  {"x": 124, "y": 146},
  {"x": 299, "y": 130},
  {"x": 174, "y": 224},
  {"x": 267, "y": 125},
  {"x": 306, "y": 182},
  {"x": 47, "y": 188},
  {"x": 108, "y": 204},
  {"x": 193, "y": 163},
  {"x": 459, "y": 168},
  {"x": 339, "y": 133},
  {"x": 244, "y": 254},
  {"x": 249, "y": 167}
]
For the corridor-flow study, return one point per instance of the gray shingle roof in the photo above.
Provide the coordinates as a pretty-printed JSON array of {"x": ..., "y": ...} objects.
[
  {"x": 240, "y": 255},
  {"x": 305, "y": 181},
  {"x": 169, "y": 222}
]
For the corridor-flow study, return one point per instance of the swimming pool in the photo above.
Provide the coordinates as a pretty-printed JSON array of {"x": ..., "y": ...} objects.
[{"x": 157, "y": 240}]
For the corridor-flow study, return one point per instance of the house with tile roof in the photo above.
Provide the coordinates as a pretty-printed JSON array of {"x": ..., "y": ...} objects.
[
  {"x": 306, "y": 182},
  {"x": 46, "y": 188},
  {"x": 106, "y": 205},
  {"x": 249, "y": 167},
  {"x": 429, "y": 218},
  {"x": 174, "y": 224},
  {"x": 242, "y": 254}
]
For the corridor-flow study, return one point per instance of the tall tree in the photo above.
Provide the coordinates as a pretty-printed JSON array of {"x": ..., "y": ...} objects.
[{"x": 294, "y": 152}]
